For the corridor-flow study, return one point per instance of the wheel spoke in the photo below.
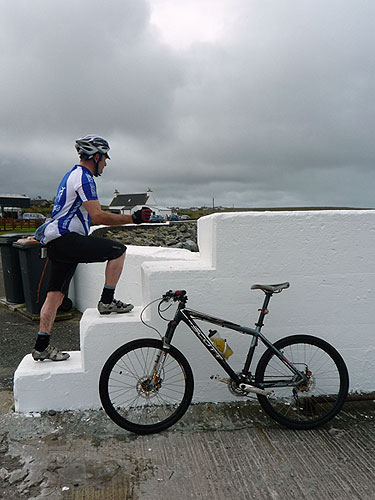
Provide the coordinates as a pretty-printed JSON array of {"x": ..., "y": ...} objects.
[
  {"x": 135, "y": 397},
  {"x": 312, "y": 402}
]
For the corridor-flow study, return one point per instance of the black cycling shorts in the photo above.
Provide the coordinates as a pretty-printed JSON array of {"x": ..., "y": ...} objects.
[{"x": 70, "y": 249}]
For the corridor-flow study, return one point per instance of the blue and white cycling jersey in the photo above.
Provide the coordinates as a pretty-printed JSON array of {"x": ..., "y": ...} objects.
[{"x": 68, "y": 214}]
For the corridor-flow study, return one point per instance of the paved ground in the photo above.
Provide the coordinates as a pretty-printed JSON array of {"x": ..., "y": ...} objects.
[{"x": 216, "y": 452}]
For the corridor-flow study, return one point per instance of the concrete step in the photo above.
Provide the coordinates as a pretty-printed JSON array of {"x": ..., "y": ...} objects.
[
  {"x": 49, "y": 385},
  {"x": 73, "y": 384}
]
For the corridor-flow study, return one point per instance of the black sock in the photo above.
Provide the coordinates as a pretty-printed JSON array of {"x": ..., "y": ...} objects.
[
  {"x": 107, "y": 294},
  {"x": 42, "y": 342}
]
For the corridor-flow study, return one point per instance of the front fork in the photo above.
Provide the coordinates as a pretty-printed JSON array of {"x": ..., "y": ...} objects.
[
  {"x": 156, "y": 378},
  {"x": 162, "y": 354}
]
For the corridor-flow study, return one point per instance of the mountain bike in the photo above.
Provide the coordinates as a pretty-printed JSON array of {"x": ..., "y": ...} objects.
[{"x": 147, "y": 385}]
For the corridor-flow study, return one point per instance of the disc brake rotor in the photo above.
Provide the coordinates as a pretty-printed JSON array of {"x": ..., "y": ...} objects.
[{"x": 147, "y": 388}]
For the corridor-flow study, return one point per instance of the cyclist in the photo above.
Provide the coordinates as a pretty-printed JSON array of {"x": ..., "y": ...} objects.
[{"x": 66, "y": 235}]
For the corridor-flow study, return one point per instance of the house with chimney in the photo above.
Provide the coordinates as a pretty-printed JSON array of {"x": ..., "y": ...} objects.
[{"x": 130, "y": 203}]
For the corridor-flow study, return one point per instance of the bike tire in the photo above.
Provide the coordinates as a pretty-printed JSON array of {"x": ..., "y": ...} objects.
[
  {"x": 128, "y": 398},
  {"x": 312, "y": 405}
]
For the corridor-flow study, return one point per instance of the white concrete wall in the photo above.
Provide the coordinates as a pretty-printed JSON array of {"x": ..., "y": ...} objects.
[
  {"x": 326, "y": 255},
  {"x": 89, "y": 278}
]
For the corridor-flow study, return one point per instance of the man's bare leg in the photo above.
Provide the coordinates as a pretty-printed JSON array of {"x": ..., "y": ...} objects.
[
  {"x": 42, "y": 349},
  {"x": 49, "y": 311},
  {"x": 113, "y": 270},
  {"x": 107, "y": 304}
]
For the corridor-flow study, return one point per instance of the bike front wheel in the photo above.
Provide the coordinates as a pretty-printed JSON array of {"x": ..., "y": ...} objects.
[
  {"x": 316, "y": 400},
  {"x": 145, "y": 389}
]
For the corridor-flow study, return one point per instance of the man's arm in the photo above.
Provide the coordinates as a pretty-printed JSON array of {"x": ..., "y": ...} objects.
[{"x": 98, "y": 216}]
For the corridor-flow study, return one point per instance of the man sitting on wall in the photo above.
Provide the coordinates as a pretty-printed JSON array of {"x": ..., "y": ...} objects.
[{"x": 66, "y": 235}]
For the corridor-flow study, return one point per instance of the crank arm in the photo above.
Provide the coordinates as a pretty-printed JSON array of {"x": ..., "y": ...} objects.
[
  {"x": 243, "y": 387},
  {"x": 256, "y": 390}
]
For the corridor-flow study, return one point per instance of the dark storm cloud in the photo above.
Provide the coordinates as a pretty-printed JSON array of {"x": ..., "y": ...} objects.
[
  {"x": 71, "y": 65},
  {"x": 278, "y": 111}
]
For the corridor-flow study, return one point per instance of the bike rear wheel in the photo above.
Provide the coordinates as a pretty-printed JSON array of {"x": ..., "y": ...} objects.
[
  {"x": 138, "y": 398},
  {"x": 308, "y": 405}
]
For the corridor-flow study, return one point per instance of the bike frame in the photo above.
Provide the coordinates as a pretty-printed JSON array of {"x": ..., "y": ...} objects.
[{"x": 188, "y": 316}]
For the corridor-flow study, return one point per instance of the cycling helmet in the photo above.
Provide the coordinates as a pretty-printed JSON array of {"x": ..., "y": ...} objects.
[{"x": 89, "y": 145}]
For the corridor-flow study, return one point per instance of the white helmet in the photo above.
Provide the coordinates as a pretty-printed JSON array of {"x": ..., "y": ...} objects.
[{"x": 90, "y": 145}]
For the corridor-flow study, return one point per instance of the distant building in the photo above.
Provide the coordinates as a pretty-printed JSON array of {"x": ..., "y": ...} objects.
[
  {"x": 12, "y": 205},
  {"x": 129, "y": 203},
  {"x": 39, "y": 201}
]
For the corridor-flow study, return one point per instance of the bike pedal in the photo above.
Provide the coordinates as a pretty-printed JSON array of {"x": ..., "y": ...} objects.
[{"x": 220, "y": 379}]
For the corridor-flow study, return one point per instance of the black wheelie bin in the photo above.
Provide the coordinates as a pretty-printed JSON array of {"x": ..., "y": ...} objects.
[
  {"x": 11, "y": 268},
  {"x": 35, "y": 272}
]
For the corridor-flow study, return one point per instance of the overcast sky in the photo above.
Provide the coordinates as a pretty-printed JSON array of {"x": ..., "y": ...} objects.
[{"x": 253, "y": 102}]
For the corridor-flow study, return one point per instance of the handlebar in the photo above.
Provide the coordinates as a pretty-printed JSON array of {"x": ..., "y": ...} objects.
[{"x": 176, "y": 296}]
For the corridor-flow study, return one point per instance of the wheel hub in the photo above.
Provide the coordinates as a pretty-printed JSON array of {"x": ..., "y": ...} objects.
[{"x": 147, "y": 387}]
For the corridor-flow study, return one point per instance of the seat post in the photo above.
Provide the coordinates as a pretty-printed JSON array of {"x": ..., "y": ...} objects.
[{"x": 264, "y": 310}]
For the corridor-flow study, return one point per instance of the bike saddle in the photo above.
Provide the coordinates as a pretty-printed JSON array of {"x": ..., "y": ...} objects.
[{"x": 271, "y": 288}]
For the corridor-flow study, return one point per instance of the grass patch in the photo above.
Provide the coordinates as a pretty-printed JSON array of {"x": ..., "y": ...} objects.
[{"x": 20, "y": 230}]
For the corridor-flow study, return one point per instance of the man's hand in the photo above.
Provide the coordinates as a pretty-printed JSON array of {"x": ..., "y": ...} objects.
[{"x": 142, "y": 215}]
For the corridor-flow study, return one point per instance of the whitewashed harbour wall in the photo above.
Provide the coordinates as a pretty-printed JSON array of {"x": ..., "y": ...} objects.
[{"x": 328, "y": 257}]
